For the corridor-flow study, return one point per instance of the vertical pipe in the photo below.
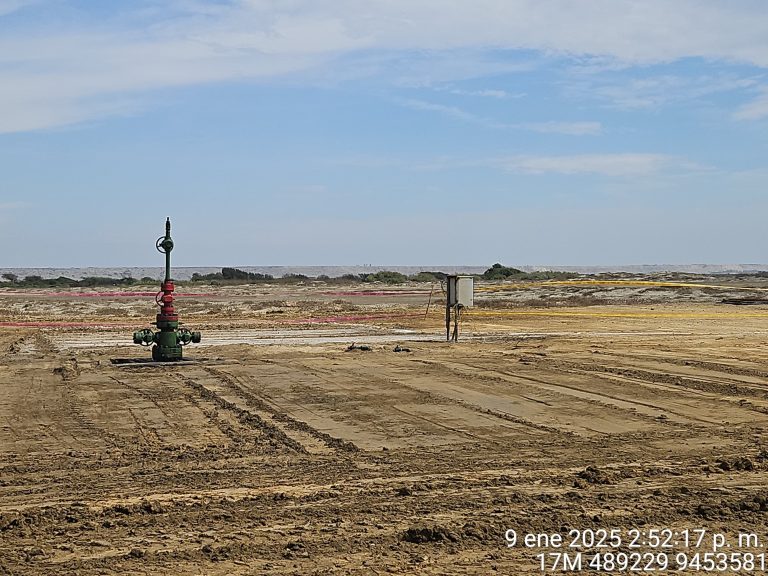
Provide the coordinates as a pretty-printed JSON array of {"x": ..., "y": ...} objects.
[
  {"x": 448, "y": 309},
  {"x": 168, "y": 251}
]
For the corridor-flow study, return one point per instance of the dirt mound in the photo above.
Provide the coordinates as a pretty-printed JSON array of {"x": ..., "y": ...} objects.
[
  {"x": 594, "y": 475},
  {"x": 740, "y": 464},
  {"x": 424, "y": 534}
]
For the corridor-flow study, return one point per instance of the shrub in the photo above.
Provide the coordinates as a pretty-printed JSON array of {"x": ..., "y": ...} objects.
[
  {"x": 499, "y": 272},
  {"x": 386, "y": 276},
  {"x": 428, "y": 277}
]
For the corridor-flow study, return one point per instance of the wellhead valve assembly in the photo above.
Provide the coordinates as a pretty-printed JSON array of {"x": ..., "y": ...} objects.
[{"x": 168, "y": 341}]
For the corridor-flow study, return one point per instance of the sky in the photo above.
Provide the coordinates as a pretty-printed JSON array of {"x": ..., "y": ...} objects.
[{"x": 401, "y": 132}]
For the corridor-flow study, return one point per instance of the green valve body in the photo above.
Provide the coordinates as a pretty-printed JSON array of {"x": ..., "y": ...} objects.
[{"x": 168, "y": 341}]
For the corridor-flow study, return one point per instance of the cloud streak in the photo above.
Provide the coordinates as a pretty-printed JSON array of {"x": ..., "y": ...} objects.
[
  {"x": 490, "y": 93},
  {"x": 550, "y": 127},
  {"x": 755, "y": 110},
  {"x": 449, "y": 111},
  {"x": 620, "y": 164},
  {"x": 566, "y": 128},
  {"x": 10, "y": 6},
  {"x": 617, "y": 165},
  {"x": 658, "y": 90}
]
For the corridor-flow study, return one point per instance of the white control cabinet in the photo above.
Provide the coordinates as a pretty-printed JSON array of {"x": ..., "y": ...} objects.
[{"x": 461, "y": 291}]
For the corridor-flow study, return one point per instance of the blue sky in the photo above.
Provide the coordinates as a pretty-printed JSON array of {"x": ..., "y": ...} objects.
[{"x": 300, "y": 132}]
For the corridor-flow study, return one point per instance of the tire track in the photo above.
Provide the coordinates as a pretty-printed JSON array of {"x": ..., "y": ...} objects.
[
  {"x": 75, "y": 410},
  {"x": 701, "y": 395},
  {"x": 244, "y": 416},
  {"x": 148, "y": 435},
  {"x": 163, "y": 401},
  {"x": 153, "y": 399},
  {"x": 600, "y": 398},
  {"x": 436, "y": 398},
  {"x": 254, "y": 401},
  {"x": 704, "y": 364},
  {"x": 229, "y": 425},
  {"x": 483, "y": 373},
  {"x": 727, "y": 388}
]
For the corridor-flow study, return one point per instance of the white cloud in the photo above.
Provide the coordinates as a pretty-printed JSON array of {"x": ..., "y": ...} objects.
[
  {"x": 550, "y": 127},
  {"x": 601, "y": 164},
  {"x": 567, "y": 128},
  {"x": 654, "y": 91},
  {"x": 450, "y": 111},
  {"x": 756, "y": 109},
  {"x": 9, "y": 6},
  {"x": 628, "y": 30},
  {"x": 498, "y": 94},
  {"x": 608, "y": 164},
  {"x": 56, "y": 74},
  {"x": 363, "y": 161},
  {"x": 93, "y": 77}
]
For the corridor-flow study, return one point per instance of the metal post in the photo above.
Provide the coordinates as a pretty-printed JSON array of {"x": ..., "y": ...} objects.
[
  {"x": 456, "y": 313},
  {"x": 169, "y": 243}
]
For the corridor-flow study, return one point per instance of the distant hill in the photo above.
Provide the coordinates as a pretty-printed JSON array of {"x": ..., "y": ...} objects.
[{"x": 185, "y": 273}]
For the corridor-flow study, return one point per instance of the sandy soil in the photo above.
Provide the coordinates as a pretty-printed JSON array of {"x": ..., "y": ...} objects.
[{"x": 278, "y": 452}]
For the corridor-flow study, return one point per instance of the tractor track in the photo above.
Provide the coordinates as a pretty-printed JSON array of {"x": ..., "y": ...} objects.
[
  {"x": 672, "y": 358},
  {"x": 614, "y": 401},
  {"x": 718, "y": 386},
  {"x": 245, "y": 417},
  {"x": 605, "y": 400},
  {"x": 252, "y": 400},
  {"x": 424, "y": 396}
]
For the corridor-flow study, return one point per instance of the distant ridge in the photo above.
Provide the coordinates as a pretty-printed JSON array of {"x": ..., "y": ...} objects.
[{"x": 185, "y": 273}]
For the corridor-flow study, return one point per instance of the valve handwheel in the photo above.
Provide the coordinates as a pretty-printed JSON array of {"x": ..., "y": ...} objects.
[
  {"x": 144, "y": 337},
  {"x": 185, "y": 336},
  {"x": 164, "y": 245},
  {"x": 159, "y": 298}
]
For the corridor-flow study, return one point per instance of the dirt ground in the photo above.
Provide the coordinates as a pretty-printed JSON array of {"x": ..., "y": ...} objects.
[{"x": 276, "y": 451}]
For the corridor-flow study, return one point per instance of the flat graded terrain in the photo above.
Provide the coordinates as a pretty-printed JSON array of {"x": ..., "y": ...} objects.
[{"x": 273, "y": 450}]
